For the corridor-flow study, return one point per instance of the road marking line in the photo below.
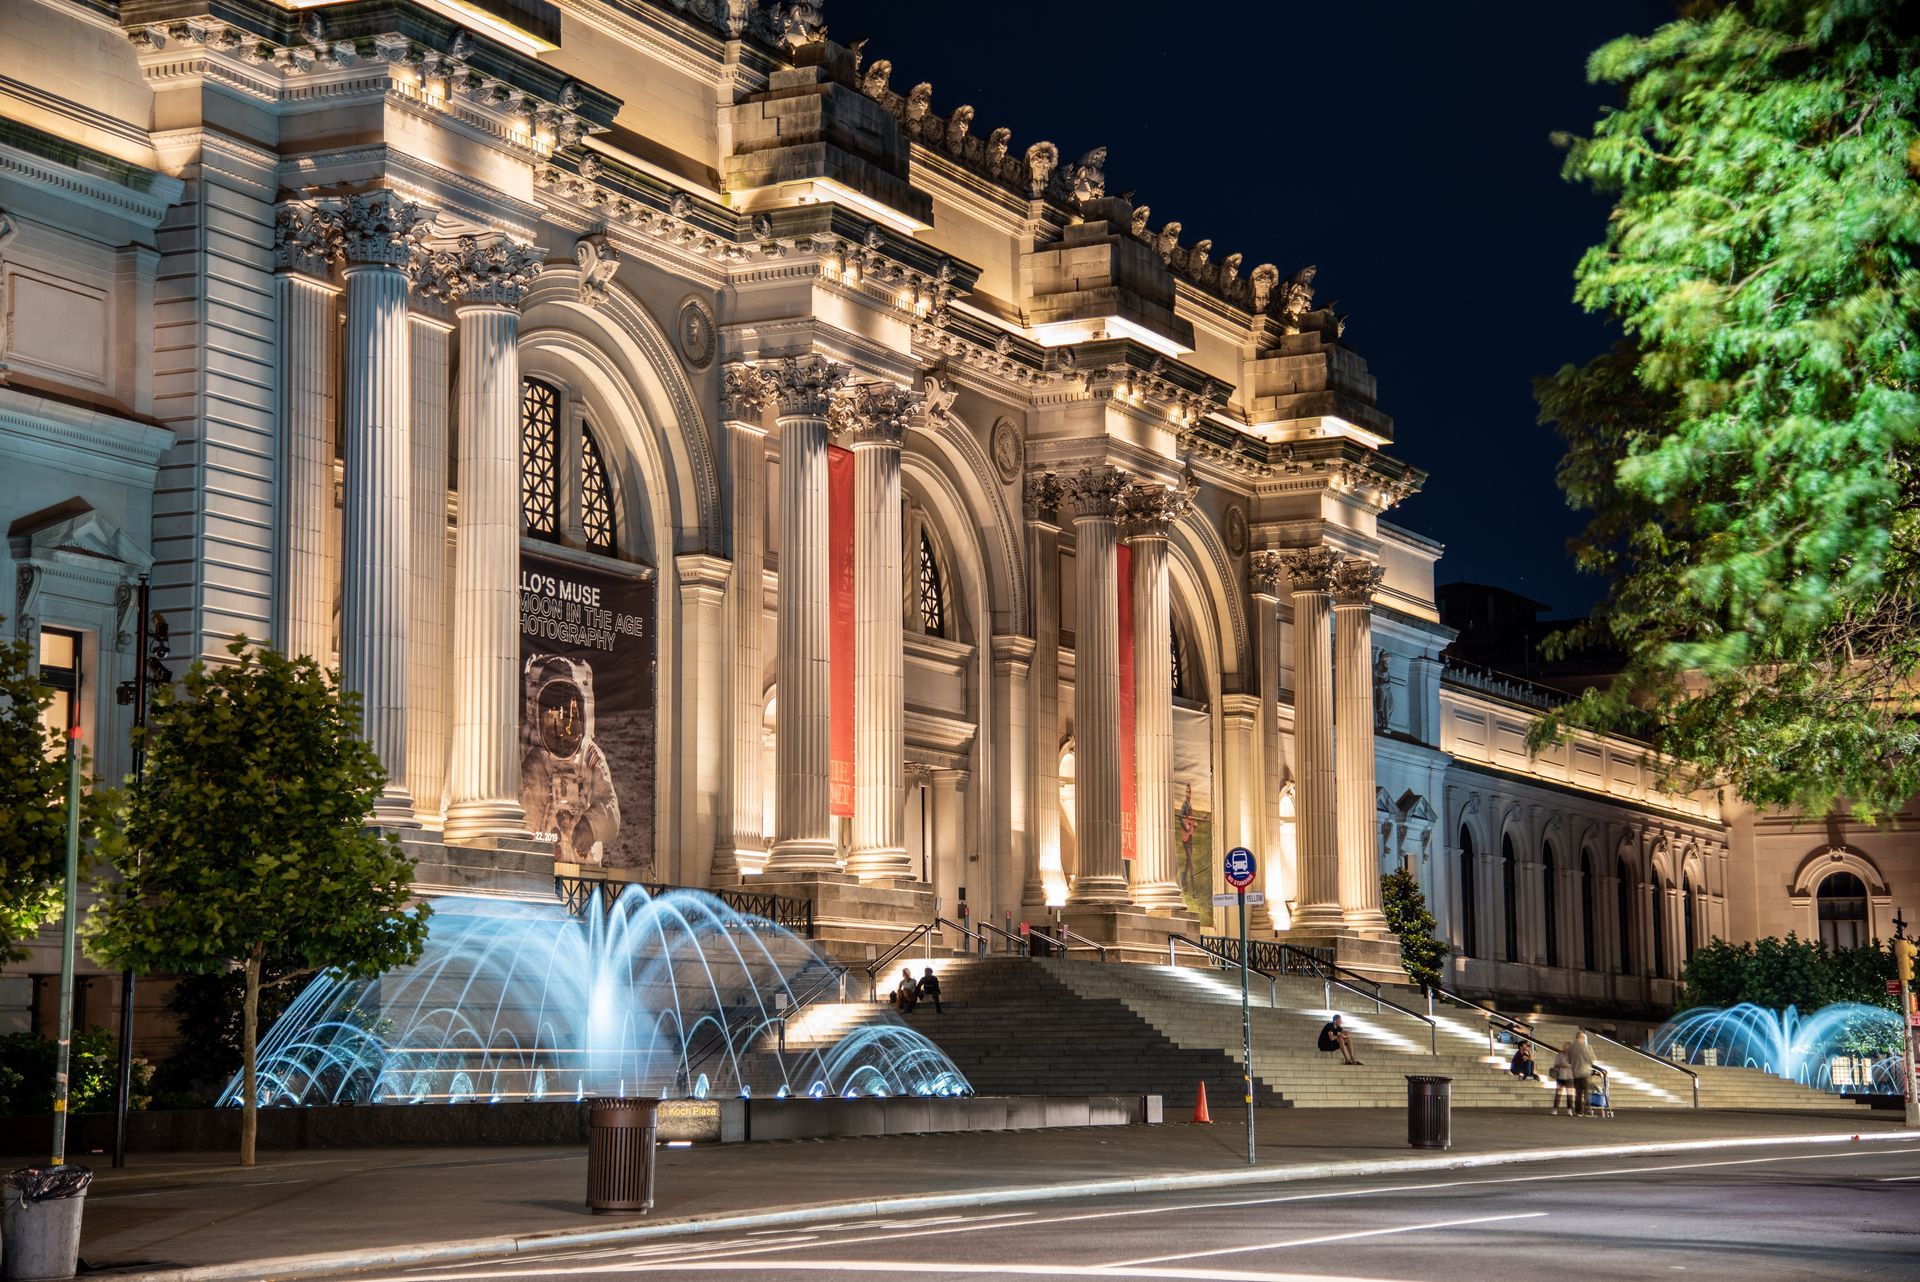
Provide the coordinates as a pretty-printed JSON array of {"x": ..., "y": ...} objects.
[
  {"x": 896, "y": 1267},
  {"x": 1324, "y": 1238},
  {"x": 1895, "y": 1179}
]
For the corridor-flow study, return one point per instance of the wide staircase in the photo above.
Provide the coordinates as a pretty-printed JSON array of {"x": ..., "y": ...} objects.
[{"x": 1052, "y": 1026}]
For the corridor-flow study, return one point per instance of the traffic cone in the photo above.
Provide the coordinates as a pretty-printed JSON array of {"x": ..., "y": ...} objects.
[{"x": 1200, "y": 1113}]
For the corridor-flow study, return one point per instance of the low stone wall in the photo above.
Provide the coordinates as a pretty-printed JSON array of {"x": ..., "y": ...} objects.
[{"x": 565, "y": 1122}]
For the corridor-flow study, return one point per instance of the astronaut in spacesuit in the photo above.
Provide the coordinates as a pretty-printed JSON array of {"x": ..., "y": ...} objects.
[{"x": 565, "y": 783}]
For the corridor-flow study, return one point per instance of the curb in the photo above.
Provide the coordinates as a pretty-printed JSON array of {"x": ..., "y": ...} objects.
[{"x": 331, "y": 1264}]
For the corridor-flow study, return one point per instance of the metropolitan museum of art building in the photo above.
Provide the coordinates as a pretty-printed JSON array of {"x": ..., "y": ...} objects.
[{"x": 717, "y": 459}]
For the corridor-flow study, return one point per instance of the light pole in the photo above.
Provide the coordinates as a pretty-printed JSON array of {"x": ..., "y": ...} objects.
[
  {"x": 69, "y": 917},
  {"x": 152, "y": 647},
  {"x": 1903, "y": 954}
]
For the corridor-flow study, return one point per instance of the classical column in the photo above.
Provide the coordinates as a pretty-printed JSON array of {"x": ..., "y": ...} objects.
[
  {"x": 801, "y": 388},
  {"x": 1310, "y": 571},
  {"x": 745, "y": 846},
  {"x": 306, "y": 241},
  {"x": 1354, "y": 582},
  {"x": 1093, "y": 496},
  {"x": 1012, "y": 812},
  {"x": 429, "y": 723},
  {"x": 1148, "y": 515},
  {"x": 1266, "y": 573},
  {"x": 1044, "y": 873},
  {"x": 379, "y": 233},
  {"x": 490, "y": 280},
  {"x": 875, "y": 416}
]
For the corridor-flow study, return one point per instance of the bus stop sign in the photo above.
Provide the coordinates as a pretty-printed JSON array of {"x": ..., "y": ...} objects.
[{"x": 1240, "y": 868}]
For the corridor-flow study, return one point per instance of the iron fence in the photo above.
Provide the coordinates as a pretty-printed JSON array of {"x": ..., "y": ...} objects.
[{"x": 796, "y": 915}]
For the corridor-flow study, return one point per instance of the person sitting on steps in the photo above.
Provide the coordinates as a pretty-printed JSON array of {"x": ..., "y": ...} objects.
[
  {"x": 1522, "y": 1066},
  {"x": 906, "y": 993},
  {"x": 1334, "y": 1037},
  {"x": 928, "y": 990}
]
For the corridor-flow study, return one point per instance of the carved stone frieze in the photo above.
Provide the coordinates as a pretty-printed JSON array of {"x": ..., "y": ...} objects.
[
  {"x": 802, "y": 386},
  {"x": 1310, "y": 569},
  {"x": 1354, "y": 581}
]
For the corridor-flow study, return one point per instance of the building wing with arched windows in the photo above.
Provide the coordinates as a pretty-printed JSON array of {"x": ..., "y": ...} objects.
[{"x": 714, "y": 464}]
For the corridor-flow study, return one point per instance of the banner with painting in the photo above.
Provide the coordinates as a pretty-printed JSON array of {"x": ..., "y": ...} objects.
[
  {"x": 588, "y": 647},
  {"x": 1194, "y": 858}
]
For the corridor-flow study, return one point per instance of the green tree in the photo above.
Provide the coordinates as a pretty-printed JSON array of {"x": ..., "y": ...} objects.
[
  {"x": 250, "y": 828},
  {"x": 1405, "y": 908},
  {"x": 33, "y": 805},
  {"x": 1716, "y": 975},
  {"x": 1749, "y": 450}
]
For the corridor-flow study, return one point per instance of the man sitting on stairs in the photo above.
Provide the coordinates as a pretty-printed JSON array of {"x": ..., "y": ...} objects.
[{"x": 1336, "y": 1038}]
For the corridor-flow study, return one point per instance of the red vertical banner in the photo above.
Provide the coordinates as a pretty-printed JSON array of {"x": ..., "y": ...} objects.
[
  {"x": 840, "y": 651},
  {"x": 1128, "y": 750}
]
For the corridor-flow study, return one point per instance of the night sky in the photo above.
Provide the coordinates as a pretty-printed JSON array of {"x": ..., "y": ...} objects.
[{"x": 1402, "y": 147}]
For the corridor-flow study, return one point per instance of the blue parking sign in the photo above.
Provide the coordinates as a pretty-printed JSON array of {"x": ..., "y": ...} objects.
[{"x": 1240, "y": 867}]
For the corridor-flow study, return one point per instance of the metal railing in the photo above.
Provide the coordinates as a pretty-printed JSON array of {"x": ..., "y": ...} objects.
[
  {"x": 1311, "y": 962},
  {"x": 894, "y": 950},
  {"x": 1177, "y": 941},
  {"x": 1693, "y": 1078},
  {"x": 1515, "y": 1027},
  {"x": 979, "y": 940},
  {"x": 1073, "y": 938},
  {"x": 1271, "y": 955},
  {"x": 832, "y": 978},
  {"x": 1015, "y": 944},
  {"x": 796, "y": 915}
]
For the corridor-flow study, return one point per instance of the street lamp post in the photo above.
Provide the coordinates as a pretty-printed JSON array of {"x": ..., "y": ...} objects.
[{"x": 152, "y": 647}]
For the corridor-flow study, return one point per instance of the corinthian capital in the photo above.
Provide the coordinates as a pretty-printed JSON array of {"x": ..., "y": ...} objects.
[
  {"x": 874, "y": 413},
  {"x": 1268, "y": 572},
  {"x": 306, "y": 239},
  {"x": 496, "y": 272},
  {"x": 1150, "y": 511},
  {"x": 1310, "y": 569},
  {"x": 1354, "y": 581},
  {"x": 743, "y": 392},
  {"x": 1094, "y": 492},
  {"x": 802, "y": 385},
  {"x": 1044, "y": 495},
  {"x": 380, "y": 229}
]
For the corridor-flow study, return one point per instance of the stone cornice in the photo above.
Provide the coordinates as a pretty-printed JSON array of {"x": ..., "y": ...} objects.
[{"x": 85, "y": 176}]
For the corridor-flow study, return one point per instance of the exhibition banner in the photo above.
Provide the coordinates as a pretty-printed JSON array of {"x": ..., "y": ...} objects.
[
  {"x": 1129, "y": 750},
  {"x": 840, "y": 592},
  {"x": 588, "y": 646}
]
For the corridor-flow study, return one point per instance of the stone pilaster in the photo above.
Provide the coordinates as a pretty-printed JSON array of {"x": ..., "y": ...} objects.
[
  {"x": 306, "y": 242},
  {"x": 488, "y": 282},
  {"x": 875, "y": 417},
  {"x": 1310, "y": 572},
  {"x": 801, "y": 389},
  {"x": 1045, "y": 875},
  {"x": 1267, "y": 574},
  {"x": 744, "y": 851},
  {"x": 1354, "y": 582},
  {"x": 1148, "y": 515},
  {"x": 429, "y": 720},
  {"x": 378, "y": 234},
  {"x": 1012, "y": 811},
  {"x": 1093, "y": 497}
]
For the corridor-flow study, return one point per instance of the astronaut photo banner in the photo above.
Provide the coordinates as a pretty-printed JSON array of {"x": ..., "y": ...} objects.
[{"x": 589, "y": 640}]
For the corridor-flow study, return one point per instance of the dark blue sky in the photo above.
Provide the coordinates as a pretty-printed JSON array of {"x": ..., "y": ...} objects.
[{"x": 1401, "y": 146}]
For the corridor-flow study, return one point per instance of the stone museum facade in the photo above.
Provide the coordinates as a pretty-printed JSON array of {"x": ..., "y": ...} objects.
[{"x": 718, "y": 461}]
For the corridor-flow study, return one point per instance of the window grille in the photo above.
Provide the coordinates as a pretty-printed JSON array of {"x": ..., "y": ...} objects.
[
  {"x": 540, "y": 459},
  {"x": 596, "y": 496},
  {"x": 933, "y": 606}
]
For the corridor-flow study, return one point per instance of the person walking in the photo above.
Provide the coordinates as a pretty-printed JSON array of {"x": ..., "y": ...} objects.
[{"x": 1580, "y": 1071}]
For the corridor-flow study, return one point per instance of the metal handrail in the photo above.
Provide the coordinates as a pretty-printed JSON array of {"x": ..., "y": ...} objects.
[
  {"x": 886, "y": 959},
  {"x": 1493, "y": 1017},
  {"x": 974, "y": 935},
  {"x": 1018, "y": 943},
  {"x": 1175, "y": 940},
  {"x": 1330, "y": 979},
  {"x": 834, "y": 977},
  {"x": 1069, "y": 933},
  {"x": 1693, "y": 1078}
]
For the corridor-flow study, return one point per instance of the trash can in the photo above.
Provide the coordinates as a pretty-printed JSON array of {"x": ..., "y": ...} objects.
[
  {"x": 41, "y": 1221},
  {"x": 1430, "y": 1112},
  {"x": 620, "y": 1138}
]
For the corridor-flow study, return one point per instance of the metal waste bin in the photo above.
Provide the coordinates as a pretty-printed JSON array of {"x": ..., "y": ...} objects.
[
  {"x": 620, "y": 1139},
  {"x": 1429, "y": 1112},
  {"x": 41, "y": 1221}
]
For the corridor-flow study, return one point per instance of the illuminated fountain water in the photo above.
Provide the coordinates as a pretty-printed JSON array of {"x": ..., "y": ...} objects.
[
  {"x": 674, "y": 994},
  {"x": 1786, "y": 1044}
]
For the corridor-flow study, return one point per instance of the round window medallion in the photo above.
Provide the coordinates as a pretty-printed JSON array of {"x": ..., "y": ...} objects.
[
  {"x": 697, "y": 333},
  {"x": 1236, "y": 531},
  {"x": 1009, "y": 451}
]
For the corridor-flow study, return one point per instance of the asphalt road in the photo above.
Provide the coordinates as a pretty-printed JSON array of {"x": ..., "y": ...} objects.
[{"x": 1751, "y": 1214}]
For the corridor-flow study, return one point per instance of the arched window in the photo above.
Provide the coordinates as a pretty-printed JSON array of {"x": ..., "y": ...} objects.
[
  {"x": 1550, "y": 914},
  {"x": 1659, "y": 928},
  {"x": 1624, "y": 882},
  {"x": 596, "y": 496},
  {"x": 1469, "y": 915},
  {"x": 540, "y": 458},
  {"x": 933, "y": 600},
  {"x": 1841, "y": 903},
  {"x": 1586, "y": 909},
  {"x": 1509, "y": 901},
  {"x": 1179, "y": 668},
  {"x": 1686, "y": 912}
]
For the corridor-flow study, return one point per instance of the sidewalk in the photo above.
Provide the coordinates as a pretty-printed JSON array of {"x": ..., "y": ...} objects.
[{"x": 174, "y": 1211}]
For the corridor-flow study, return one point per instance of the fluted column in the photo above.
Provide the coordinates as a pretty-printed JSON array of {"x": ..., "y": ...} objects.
[
  {"x": 801, "y": 389},
  {"x": 379, "y": 231},
  {"x": 488, "y": 282},
  {"x": 1310, "y": 572},
  {"x": 1354, "y": 582},
  {"x": 306, "y": 242},
  {"x": 875, "y": 417},
  {"x": 429, "y": 720},
  {"x": 744, "y": 850},
  {"x": 1266, "y": 573},
  {"x": 1093, "y": 498},
  {"x": 1046, "y": 877},
  {"x": 1148, "y": 516}
]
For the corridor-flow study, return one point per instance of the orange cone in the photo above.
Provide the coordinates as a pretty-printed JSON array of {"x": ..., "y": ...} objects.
[{"x": 1200, "y": 1113}]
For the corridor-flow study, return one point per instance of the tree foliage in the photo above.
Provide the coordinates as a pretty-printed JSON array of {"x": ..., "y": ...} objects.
[
  {"x": 1778, "y": 973},
  {"x": 33, "y": 805},
  {"x": 1749, "y": 450},
  {"x": 1405, "y": 908},
  {"x": 250, "y": 841}
]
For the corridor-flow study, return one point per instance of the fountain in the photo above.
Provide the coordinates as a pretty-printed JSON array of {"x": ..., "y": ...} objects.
[
  {"x": 1786, "y": 1044},
  {"x": 675, "y": 994}
]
